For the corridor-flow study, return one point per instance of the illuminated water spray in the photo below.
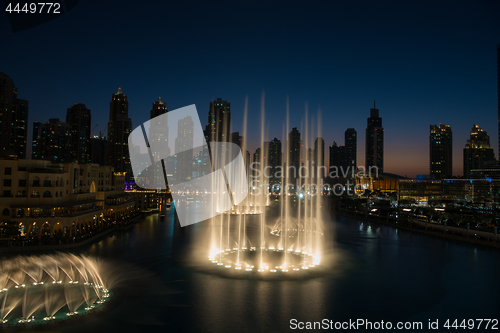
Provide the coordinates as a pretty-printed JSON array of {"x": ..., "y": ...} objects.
[{"x": 278, "y": 229}]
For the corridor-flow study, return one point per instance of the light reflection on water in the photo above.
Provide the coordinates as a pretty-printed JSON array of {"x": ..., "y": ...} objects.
[{"x": 385, "y": 274}]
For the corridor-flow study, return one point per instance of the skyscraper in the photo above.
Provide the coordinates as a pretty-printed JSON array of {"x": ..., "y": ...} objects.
[
  {"x": 294, "y": 149},
  {"x": 477, "y": 152},
  {"x": 78, "y": 117},
  {"x": 374, "y": 150},
  {"x": 273, "y": 160},
  {"x": 319, "y": 157},
  {"x": 119, "y": 128},
  {"x": 337, "y": 159},
  {"x": 56, "y": 142},
  {"x": 219, "y": 121},
  {"x": 441, "y": 151},
  {"x": 184, "y": 149},
  {"x": 158, "y": 132},
  {"x": 351, "y": 147},
  {"x": 236, "y": 138},
  {"x": 13, "y": 120},
  {"x": 99, "y": 150},
  {"x": 158, "y": 137}
]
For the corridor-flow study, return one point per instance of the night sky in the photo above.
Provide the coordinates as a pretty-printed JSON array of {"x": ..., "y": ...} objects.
[{"x": 423, "y": 62}]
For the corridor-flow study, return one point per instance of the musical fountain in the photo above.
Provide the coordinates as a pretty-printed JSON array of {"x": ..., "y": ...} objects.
[
  {"x": 50, "y": 288},
  {"x": 274, "y": 233}
]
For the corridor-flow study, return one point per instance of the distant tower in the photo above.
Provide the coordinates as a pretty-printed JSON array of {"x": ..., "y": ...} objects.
[
  {"x": 56, "y": 142},
  {"x": 374, "y": 141},
  {"x": 219, "y": 121},
  {"x": 119, "y": 128},
  {"x": 337, "y": 159},
  {"x": 272, "y": 151},
  {"x": 319, "y": 156},
  {"x": 158, "y": 131},
  {"x": 294, "y": 150},
  {"x": 158, "y": 137},
  {"x": 441, "y": 151},
  {"x": 477, "y": 152},
  {"x": 159, "y": 108},
  {"x": 99, "y": 150},
  {"x": 184, "y": 149},
  {"x": 13, "y": 120},
  {"x": 78, "y": 117},
  {"x": 351, "y": 147}
]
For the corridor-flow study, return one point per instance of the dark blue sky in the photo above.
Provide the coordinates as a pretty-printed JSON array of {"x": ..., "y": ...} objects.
[{"x": 423, "y": 62}]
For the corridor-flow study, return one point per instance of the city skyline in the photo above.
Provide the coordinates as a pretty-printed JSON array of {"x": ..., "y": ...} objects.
[{"x": 374, "y": 112}]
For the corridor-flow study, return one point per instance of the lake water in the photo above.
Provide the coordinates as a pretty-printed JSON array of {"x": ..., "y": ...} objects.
[{"x": 382, "y": 274}]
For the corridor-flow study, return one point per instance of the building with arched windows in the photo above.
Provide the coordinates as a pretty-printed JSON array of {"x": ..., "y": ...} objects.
[{"x": 44, "y": 199}]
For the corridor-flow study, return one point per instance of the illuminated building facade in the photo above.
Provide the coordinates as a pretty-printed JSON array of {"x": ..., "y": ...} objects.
[
  {"x": 477, "y": 152},
  {"x": 13, "y": 120},
  {"x": 219, "y": 121},
  {"x": 119, "y": 128},
  {"x": 46, "y": 199},
  {"x": 441, "y": 151}
]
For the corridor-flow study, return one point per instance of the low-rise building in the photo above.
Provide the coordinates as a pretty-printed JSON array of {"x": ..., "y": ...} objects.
[{"x": 49, "y": 199}]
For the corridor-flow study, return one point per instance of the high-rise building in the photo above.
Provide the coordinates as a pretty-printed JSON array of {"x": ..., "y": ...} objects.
[
  {"x": 35, "y": 147},
  {"x": 351, "y": 147},
  {"x": 477, "y": 152},
  {"x": 273, "y": 160},
  {"x": 374, "y": 149},
  {"x": 119, "y": 128},
  {"x": 337, "y": 158},
  {"x": 319, "y": 156},
  {"x": 184, "y": 149},
  {"x": 158, "y": 131},
  {"x": 56, "y": 142},
  {"x": 99, "y": 150},
  {"x": 294, "y": 150},
  {"x": 158, "y": 137},
  {"x": 237, "y": 139},
  {"x": 159, "y": 108},
  {"x": 441, "y": 151},
  {"x": 219, "y": 121},
  {"x": 13, "y": 120},
  {"x": 78, "y": 117},
  {"x": 343, "y": 159}
]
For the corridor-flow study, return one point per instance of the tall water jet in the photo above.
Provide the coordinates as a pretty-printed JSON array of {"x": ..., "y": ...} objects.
[{"x": 286, "y": 237}]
